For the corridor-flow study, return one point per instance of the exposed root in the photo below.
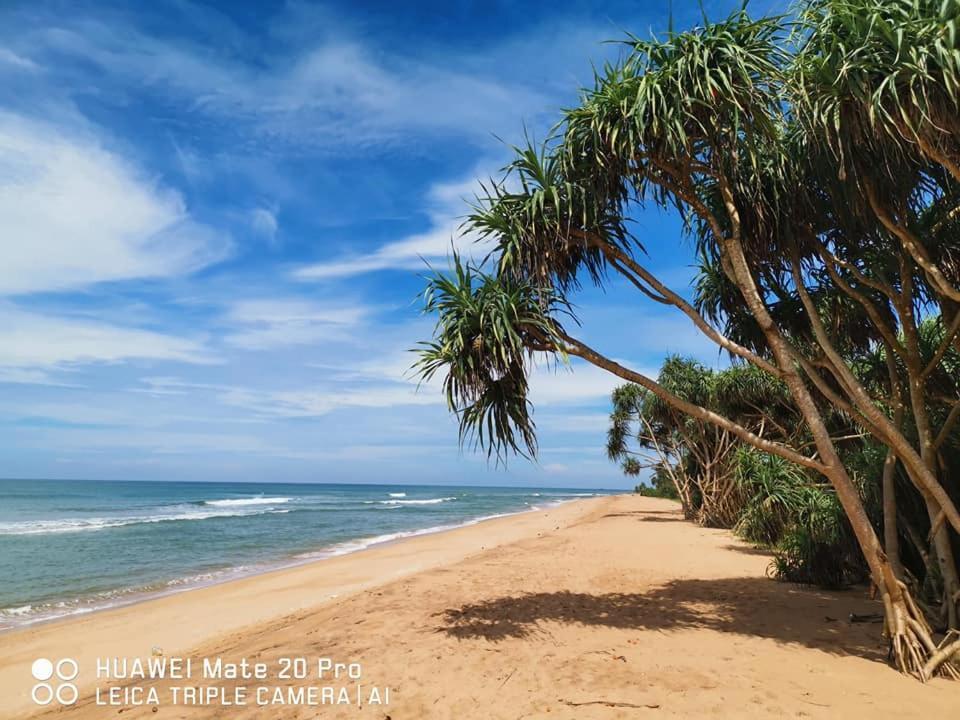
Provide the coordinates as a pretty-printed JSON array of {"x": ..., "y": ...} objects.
[
  {"x": 611, "y": 703},
  {"x": 942, "y": 658},
  {"x": 912, "y": 649}
]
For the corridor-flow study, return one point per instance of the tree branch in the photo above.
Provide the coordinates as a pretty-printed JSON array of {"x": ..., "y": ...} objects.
[{"x": 581, "y": 350}]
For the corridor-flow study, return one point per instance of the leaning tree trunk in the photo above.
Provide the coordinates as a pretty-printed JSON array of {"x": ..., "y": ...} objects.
[
  {"x": 891, "y": 536},
  {"x": 939, "y": 532},
  {"x": 912, "y": 648}
]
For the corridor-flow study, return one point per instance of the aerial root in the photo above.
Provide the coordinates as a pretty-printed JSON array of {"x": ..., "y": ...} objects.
[
  {"x": 942, "y": 658},
  {"x": 912, "y": 649}
]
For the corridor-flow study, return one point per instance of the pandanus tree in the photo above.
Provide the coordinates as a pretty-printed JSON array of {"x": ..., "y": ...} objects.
[
  {"x": 701, "y": 121},
  {"x": 699, "y": 457},
  {"x": 646, "y": 432},
  {"x": 875, "y": 86}
]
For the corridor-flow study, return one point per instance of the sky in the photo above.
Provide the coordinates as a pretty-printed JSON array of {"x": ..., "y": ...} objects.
[{"x": 216, "y": 218}]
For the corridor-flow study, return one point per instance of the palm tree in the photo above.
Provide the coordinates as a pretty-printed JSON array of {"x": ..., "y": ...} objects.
[
  {"x": 696, "y": 455},
  {"x": 875, "y": 85},
  {"x": 696, "y": 121}
]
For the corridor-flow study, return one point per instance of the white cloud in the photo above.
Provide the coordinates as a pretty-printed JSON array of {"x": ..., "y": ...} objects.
[
  {"x": 271, "y": 323},
  {"x": 32, "y": 341},
  {"x": 318, "y": 402},
  {"x": 87, "y": 440},
  {"x": 331, "y": 91},
  {"x": 8, "y": 57},
  {"x": 29, "y": 376},
  {"x": 580, "y": 383},
  {"x": 446, "y": 208},
  {"x": 264, "y": 223},
  {"x": 360, "y": 390},
  {"x": 75, "y": 214},
  {"x": 574, "y": 422}
]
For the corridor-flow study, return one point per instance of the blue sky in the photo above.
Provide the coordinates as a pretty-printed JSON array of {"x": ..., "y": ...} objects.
[{"x": 214, "y": 216}]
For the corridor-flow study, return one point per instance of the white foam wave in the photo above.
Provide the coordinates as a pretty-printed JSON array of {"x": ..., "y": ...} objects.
[
  {"x": 69, "y": 525},
  {"x": 16, "y": 611},
  {"x": 30, "y": 614},
  {"x": 431, "y": 501},
  {"x": 397, "y": 495},
  {"x": 241, "y": 502},
  {"x": 42, "y": 612}
]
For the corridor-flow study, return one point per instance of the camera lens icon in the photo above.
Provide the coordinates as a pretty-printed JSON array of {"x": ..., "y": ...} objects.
[{"x": 44, "y": 670}]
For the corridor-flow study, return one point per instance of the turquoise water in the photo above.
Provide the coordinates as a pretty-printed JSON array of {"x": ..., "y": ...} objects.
[{"x": 70, "y": 547}]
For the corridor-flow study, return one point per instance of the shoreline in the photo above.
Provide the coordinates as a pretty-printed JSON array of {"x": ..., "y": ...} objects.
[
  {"x": 180, "y": 620},
  {"x": 592, "y": 610},
  {"x": 129, "y": 596}
]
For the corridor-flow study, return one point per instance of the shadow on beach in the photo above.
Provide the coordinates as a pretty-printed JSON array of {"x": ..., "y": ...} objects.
[
  {"x": 649, "y": 515},
  {"x": 750, "y": 550},
  {"x": 745, "y": 606}
]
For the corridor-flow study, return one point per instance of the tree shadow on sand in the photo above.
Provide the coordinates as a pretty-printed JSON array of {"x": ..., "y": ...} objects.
[
  {"x": 649, "y": 515},
  {"x": 745, "y": 606},
  {"x": 750, "y": 550}
]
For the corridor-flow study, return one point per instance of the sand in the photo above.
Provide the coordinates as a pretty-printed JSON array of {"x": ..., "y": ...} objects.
[{"x": 604, "y": 608}]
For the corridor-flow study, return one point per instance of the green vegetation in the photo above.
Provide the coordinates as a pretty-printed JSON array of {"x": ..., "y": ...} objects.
[
  {"x": 660, "y": 487},
  {"x": 817, "y": 165},
  {"x": 723, "y": 482}
]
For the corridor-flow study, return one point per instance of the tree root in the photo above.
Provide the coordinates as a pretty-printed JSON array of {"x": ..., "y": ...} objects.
[
  {"x": 611, "y": 703},
  {"x": 941, "y": 658},
  {"x": 912, "y": 649}
]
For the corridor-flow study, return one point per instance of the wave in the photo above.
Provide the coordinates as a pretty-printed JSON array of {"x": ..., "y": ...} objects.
[
  {"x": 352, "y": 546},
  {"x": 68, "y": 525},
  {"x": 22, "y": 615},
  {"x": 16, "y": 611},
  {"x": 431, "y": 501},
  {"x": 397, "y": 495},
  {"x": 240, "y": 502}
]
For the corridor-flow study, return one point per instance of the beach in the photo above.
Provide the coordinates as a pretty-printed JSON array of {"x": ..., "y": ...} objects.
[{"x": 604, "y": 607}]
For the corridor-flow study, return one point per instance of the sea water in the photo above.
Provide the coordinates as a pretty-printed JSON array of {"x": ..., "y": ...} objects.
[{"x": 73, "y": 546}]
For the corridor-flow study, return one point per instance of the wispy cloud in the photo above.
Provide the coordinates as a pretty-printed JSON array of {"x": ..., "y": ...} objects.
[
  {"x": 315, "y": 400},
  {"x": 75, "y": 214},
  {"x": 335, "y": 92},
  {"x": 307, "y": 403},
  {"x": 578, "y": 383},
  {"x": 446, "y": 205},
  {"x": 264, "y": 223},
  {"x": 568, "y": 422},
  {"x": 264, "y": 324},
  {"x": 12, "y": 59},
  {"x": 32, "y": 343}
]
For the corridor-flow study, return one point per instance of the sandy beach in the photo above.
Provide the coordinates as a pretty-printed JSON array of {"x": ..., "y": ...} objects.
[{"x": 602, "y": 608}]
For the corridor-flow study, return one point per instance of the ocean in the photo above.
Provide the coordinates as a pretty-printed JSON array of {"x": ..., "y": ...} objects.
[{"x": 74, "y": 546}]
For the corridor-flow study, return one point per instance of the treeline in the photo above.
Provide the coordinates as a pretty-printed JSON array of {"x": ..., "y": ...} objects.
[
  {"x": 722, "y": 481},
  {"x": 816, "y": 163}
]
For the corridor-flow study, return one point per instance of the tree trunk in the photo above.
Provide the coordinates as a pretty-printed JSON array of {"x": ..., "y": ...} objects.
[
  {"x": 891, "y": 538},
  {"x": 947, "y": 565},
  {"x": 939, "y": 535},
  {"x": 912, "y": 648}
]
